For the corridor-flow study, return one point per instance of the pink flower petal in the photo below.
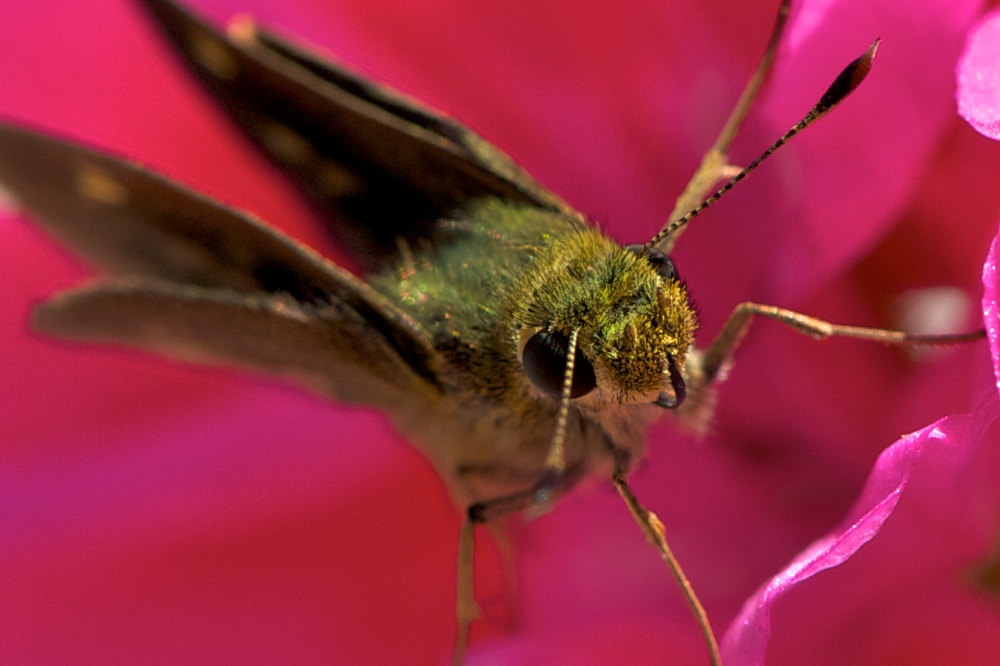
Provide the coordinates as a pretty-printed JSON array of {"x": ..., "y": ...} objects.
[
  {"x": 979, "y": 77},
  {"x": 944, "y": 446},
  {"x": 991, "y": 316}
]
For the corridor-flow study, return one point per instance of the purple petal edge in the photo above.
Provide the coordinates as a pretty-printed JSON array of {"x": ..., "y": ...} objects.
[
  {"x": 991, "y": 315},
  {"x": 949, "y": 442},
  {"x": 978, "y": 75}
]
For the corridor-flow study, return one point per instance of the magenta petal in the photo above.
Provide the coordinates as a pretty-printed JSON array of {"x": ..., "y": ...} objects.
[
  {"x": 822, "y": 229},
  {"x": 945, "y": 444},
  {"x": 979, "y": 77},
  {"x": 991, "y": 315}
]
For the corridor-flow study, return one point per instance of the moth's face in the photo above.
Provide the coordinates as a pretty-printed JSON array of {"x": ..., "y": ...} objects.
[{"x": 632, "y": 332}]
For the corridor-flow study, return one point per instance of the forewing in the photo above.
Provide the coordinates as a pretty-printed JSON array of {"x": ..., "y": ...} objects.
[
  {"x": 377, "y": 165},
  {"x": 132, "y": 222},
  {"x": 127, "y": 220}
]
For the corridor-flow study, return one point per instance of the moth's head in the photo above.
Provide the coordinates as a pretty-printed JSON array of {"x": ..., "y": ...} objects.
[{"x": 634, "y": 323}]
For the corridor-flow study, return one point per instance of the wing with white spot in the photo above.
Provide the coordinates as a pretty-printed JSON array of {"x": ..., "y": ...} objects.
[{"x": 377, "y": 165}]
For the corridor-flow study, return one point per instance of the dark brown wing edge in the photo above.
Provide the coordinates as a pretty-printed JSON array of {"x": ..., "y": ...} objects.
[{"x": 377, "y": 165}]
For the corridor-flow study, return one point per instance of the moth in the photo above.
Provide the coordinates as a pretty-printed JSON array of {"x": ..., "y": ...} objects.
[{"x": 538, "y": 364}]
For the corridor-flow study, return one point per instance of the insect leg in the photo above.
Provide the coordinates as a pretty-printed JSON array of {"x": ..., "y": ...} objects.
[
  {"x": 656, "y": 535},
  {"x": 486, "y": 511},
  {"x": 720, "y": 353}
]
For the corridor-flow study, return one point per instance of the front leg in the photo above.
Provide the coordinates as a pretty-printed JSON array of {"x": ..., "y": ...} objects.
[
  {"x": 720, "y": 353},
  {"x": 656, "y": 535}
]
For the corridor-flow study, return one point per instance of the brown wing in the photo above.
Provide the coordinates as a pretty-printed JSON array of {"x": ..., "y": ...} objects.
[
  {"x": 377, "y": 165},
  {"x": 131, "y": 222},
  {"x": 330, "y": 348}
]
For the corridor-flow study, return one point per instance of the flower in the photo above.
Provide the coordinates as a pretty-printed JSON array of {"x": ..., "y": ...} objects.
[
  {"x": 979, "y": 77},
  {"x": 160, "y": 513}
]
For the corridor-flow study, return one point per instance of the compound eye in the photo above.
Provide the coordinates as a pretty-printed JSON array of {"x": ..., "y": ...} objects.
[
  {"x": 544, "y": 361},
  {"x": 661, "y": 261}
]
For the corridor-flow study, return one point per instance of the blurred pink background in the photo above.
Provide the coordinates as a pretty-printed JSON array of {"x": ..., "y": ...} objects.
[{"x": 159, "y": 513}]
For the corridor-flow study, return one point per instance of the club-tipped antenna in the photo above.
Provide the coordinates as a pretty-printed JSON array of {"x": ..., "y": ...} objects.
[
  {"x": 713, "y": 167},
  {"x": 845, "y": 83}
]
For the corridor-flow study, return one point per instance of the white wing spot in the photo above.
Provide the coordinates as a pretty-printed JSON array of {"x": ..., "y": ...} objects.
[
  {"x": 212, "y": 55},
  {"x": 286, "y": 144},
  {"x": 293, "y": 149},
  {"x": 243, "y": 30},
  {"x": 337, "y": 180},
  {"x": 8, "y": 203},
  {"x": 96, "y": 184}
]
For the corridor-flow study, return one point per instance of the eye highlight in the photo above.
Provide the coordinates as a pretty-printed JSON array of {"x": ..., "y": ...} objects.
[{"x": 544, "y": 361}]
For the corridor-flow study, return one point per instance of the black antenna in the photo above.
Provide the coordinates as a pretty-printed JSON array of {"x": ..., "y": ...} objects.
[{"x": 846, "y": 83}]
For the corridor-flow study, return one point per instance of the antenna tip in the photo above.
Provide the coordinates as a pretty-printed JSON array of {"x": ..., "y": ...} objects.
[
  {"x": 848, "y": 80},
  {"x": 873, "y": 49}
]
